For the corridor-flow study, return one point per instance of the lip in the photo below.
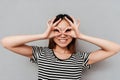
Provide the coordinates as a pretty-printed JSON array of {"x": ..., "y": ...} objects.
[
  {"x": 63, "y": 41},
  {"x": 63, "y": 38}
]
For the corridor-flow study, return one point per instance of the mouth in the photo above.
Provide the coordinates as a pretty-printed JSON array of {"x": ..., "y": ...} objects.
[{"x": 63, "y": 41}]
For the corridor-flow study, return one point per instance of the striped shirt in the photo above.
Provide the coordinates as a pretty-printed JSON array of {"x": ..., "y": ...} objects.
[{"x": 52, "y": 68}]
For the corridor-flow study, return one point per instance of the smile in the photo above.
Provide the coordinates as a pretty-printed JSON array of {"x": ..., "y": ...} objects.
[{"x": 63, "y": 40}]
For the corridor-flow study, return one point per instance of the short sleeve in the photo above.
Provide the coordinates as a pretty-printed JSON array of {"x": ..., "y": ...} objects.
[
  {"x": 36, "y": 53},
  {"x": 86, "y": 59}
]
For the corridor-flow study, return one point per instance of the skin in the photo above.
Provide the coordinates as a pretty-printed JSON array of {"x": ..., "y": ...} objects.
[
  {"x": 18, "y": 44},
  {"x": 62, "y": 40}
]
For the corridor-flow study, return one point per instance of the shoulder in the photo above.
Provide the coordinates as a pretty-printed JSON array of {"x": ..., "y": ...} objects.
[{"x": 82, "y": 54}]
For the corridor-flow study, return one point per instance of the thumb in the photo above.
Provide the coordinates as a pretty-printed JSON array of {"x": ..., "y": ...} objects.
[
  {"x": 57, "y": 34},
  {"x": 67, "y": 34}
]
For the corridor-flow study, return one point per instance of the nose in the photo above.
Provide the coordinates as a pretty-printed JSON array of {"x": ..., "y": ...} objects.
[{"x": 62, "y": 35}]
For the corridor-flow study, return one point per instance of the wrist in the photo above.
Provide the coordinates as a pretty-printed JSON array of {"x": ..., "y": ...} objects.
[
  {"x": 81, "y": 36},
  {"x": 44, "y": 36}
]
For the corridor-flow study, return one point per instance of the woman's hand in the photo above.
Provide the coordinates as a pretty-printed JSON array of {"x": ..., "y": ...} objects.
[
  {"x": 73, "y": 30},
  {"x": 52, "y": 30}
]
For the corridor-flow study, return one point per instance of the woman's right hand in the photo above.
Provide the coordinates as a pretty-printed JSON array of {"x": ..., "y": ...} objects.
[{"x": 52, "y": 30}]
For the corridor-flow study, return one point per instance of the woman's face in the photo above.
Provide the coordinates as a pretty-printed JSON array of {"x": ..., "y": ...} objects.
[{"x": 62, "y": 40}]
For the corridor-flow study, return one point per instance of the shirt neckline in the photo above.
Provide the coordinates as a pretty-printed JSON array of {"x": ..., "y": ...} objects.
[{"x": 59, "y": 58}]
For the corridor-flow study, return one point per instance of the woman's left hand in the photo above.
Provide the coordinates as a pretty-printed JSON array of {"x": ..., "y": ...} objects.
[{"x": 74, "y": 32}]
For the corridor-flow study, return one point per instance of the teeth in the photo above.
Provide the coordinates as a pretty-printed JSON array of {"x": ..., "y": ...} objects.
[{"x": 63, "y": 40}]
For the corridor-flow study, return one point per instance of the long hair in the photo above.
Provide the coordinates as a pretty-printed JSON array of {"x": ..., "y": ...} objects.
[{"x": 71, "y": 46}]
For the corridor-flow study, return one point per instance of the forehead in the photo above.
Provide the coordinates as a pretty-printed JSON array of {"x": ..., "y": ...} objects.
[{"x": 63, "y": 24}]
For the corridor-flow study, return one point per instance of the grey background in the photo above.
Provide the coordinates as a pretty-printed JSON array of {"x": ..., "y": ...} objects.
[{"x": 99, "y": 18}]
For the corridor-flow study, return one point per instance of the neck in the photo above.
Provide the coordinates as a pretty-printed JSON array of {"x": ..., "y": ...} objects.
[{"x": 60, "y": 49}]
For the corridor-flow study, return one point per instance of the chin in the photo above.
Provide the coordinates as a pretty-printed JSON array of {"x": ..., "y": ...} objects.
[{"x": 62, "y": 45}]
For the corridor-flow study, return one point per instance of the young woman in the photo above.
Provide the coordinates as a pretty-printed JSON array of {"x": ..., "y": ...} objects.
[{"x": 60, "y": 60}]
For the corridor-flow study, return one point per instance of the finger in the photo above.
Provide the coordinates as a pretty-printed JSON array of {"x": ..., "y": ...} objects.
[
  {"x": 48, "y": 25},
  {"x": 68, "y": 29},
  {"x": 57, "y": 22},
  {"x": 56, "y": 29},
  {"x": 57, "y": 35},
  {"x": 53, "y": 19},
  {"x": 69, "y": 21},
  {"x": 73, "y": 19},
  {"x": 49, "y": 21},
  {"x": 68, "y": 34},
  {"x": 78, "y": 22}
]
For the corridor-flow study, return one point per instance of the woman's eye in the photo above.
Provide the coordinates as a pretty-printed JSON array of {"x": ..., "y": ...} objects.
[
  {"x": 56, "y": 30},
  {"x": 68, "y": 30}
]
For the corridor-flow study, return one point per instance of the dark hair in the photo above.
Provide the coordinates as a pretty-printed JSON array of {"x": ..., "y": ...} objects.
[
  {"x": 70, "y": 46},
  {"x": 62, "y": 16}
]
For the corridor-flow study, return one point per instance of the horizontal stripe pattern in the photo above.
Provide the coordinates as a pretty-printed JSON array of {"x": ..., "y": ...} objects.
[{"x": 52, "y": 68}]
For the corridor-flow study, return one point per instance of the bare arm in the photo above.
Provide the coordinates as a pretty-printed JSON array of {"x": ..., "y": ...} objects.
[
  {"x": 18, "y": 45},
  {"x": 108, "y": 48}
]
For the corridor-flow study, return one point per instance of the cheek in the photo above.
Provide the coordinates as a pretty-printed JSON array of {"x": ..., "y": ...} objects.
[
  {"x": 55, "y": 40},
  {"x": 70, "y": 40}
]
